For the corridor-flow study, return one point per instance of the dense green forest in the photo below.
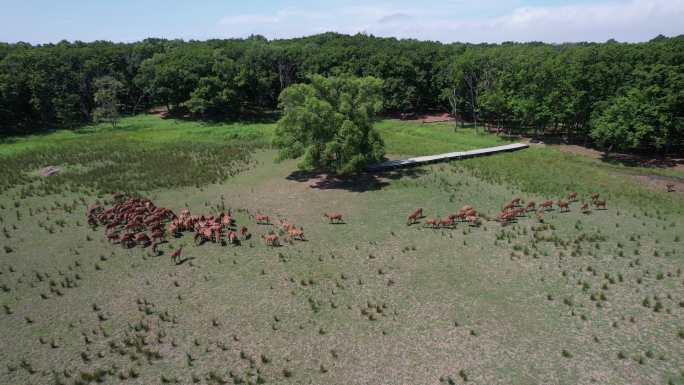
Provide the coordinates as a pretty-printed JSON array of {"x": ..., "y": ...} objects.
[{"x": 616, "y": 95}]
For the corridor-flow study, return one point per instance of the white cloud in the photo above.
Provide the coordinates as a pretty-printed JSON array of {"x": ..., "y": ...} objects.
[{"x": 624, "y": 20}]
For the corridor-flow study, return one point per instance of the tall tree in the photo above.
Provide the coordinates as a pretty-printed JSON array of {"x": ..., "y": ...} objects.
[
  {"x": 330, "y": 123},
  {"x": 107, "y": 100}
]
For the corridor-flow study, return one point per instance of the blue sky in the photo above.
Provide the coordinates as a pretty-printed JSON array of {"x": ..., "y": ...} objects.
[{"x": 42, "y": 21}]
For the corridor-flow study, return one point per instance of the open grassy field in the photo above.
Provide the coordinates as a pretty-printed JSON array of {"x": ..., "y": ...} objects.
[{"x": 571, "y": 299}]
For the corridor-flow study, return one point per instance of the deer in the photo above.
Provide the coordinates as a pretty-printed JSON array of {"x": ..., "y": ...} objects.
[
  {"x": 445, "y": 223},
  {"x": 232, "y": 237},
  {"x": 430, "y": 222},
  {"x": 473, "y": 220},
  {"x": 176, "y": 255},
  {"x": 142, "y": 239},
  {"x": 546, "y": 205},
  {"x": 270, "y": 239},
  {"x": 515, "y": 201},
  {"x": 262, "y": 219},
  {"x": 594, "y": 196},
  {"x": 600, "y": 204},
  {"x": 466, "y": 208},
  {"x": 572, "y": 196},
  {"x": 413, "y": 217},
  {"x": 508, "y": 206},
  {"x": 670, "y": 187},
  {"x": 244, "y": 233},
  {"x": 585, "y": 208},
  {"x": 529, "y": 206},
  {"x": 295, "y": 233},
  {"x": 563, "y": 205},
  {"x": 333, "y": 217}
]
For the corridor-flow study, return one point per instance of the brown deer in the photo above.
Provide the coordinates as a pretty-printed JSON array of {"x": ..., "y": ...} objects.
[
  {"x": 176, "y": 255},
  {"x": 445, "y": 223},
  {"x": 430, "y": 222},
  {"x": 142, "y": 239},
  {"x": 295, "y": 233},
  {"x": 563, "y": 206},
  {"x": 232, "y": 237},
  {"x": 529, "y": 206},
  {"x": 594, "y": 196},
  {"x": 515, "y": 201},
  {"x": 244, "y": 233},
  {"x": 413, "y": 217},
  {"x": 585, "y": 208},
  {"x": 466, "y": 208},
  {"x": 600, "y": 204},
  {"x": 670, "y": 187},
  {"x": 473, "y": 220},
  {"x": 572, "y": 196},
  {"x": 333, "y": 217},
  {"x": 270, "y": 239},
  {"x": 546, "y": 205},
  {"x": 263, "y": 219}
]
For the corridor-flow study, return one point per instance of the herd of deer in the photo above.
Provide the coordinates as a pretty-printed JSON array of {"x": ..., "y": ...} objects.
[
  {"x": 509, "y": 213},
  {"x": 289, "y": 230},
  {"x": 137, "y": 221},
  {"x": 129, "y": 221}
]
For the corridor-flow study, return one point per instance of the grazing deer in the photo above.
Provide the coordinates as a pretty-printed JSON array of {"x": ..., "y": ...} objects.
[
  {"x": 413, "y": 217},
  {"x": 585, "y": 208},
  {"x": 295, "y": 233},
  {"x": 529, "y": 206},
  {"x": 563, "y": 206},
  {"x": 263, "y": 219},
  {"x": 670, "y": 187},
  {"x": 270, "y": 239},
  {"x": 473, "y": 220},
  {"x": 445, "y": 223},
  {"x": 142, "y": 239},
  {"x": 546, "y": 205},
  {"x": 333, "y": 217},
  {"x": 430, "y": 222},
  {"x": 572, "y": 196},
  {"x": 176, "y": 255},
  {"x": 126, "y": 239},
  {"x": 594, "y": 196},
  {"x": 506, "y": 216},
  {"x": 600, "y": 204}
]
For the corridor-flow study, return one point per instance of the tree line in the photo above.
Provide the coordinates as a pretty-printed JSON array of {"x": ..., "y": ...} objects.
[{"x": 618, "y": 95}]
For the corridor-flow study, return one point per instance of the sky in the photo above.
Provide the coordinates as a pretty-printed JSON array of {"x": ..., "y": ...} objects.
[{"x": 555, "y": 21}]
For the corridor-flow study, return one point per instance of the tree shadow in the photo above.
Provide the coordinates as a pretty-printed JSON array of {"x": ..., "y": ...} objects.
[
  {"x": 361, "y": 182},
  {"x": 637, "y": 160}
]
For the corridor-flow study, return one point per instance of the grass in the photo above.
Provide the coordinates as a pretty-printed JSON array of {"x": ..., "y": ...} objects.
[
  {"x": 369, "y": 301},
  {"x": 409, "y": 138}
]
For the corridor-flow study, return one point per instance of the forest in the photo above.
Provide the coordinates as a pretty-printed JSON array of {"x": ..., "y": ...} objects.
[{"x": 616, "y": 96}]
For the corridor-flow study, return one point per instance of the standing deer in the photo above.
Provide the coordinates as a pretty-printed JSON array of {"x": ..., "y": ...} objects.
[
  {"x": 563, "y": 206},
  {"x": 572, "y": 196},
  {"x": 176, "y": 255},
  {"x": 333, "y": 217}
]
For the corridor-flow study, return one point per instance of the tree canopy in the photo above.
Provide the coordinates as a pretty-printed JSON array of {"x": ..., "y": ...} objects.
[
  {"x": 578, "y": 90},
  {"x": 329, "y": 121}
]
